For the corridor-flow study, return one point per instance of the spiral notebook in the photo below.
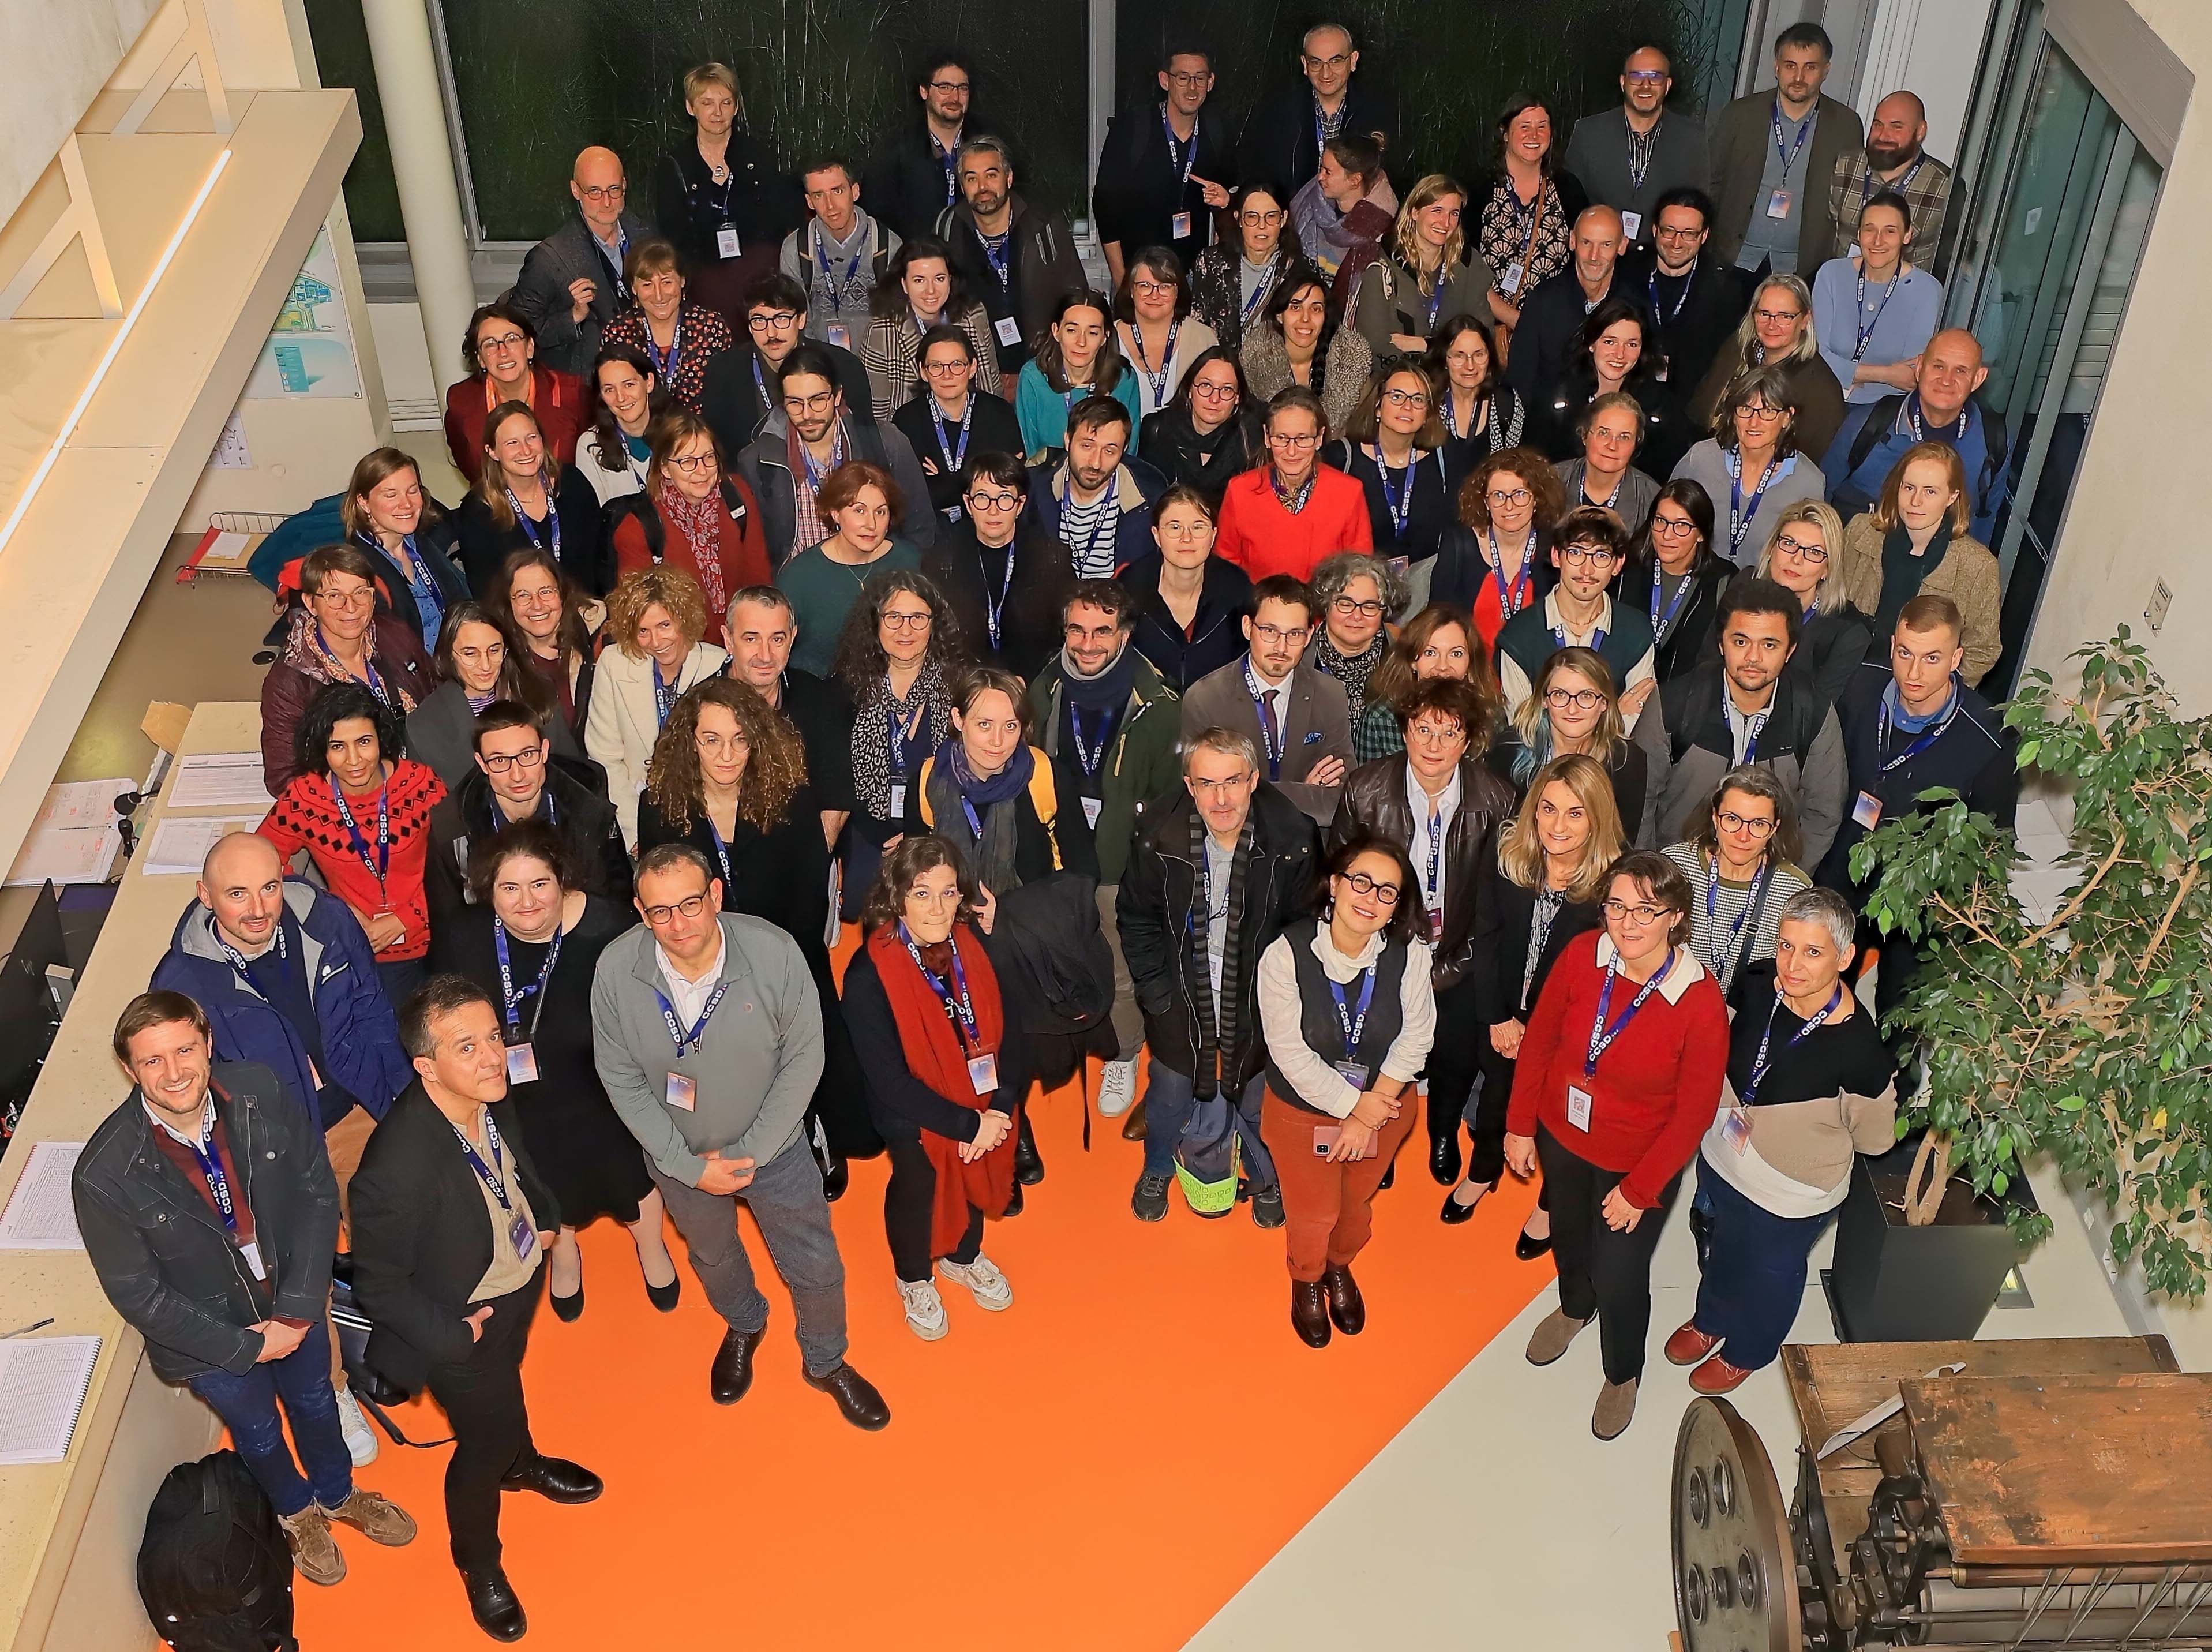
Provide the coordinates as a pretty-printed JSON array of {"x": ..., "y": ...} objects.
[{"x": 42, "y": 1386}]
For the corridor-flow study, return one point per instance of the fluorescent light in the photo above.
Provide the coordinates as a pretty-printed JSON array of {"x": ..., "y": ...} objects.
[{"x": 107, "y": 359}]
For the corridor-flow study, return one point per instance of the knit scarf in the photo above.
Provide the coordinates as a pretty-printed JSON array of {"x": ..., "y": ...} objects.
[
  {"x": 931, "y": 1041},
  {"x": 994, "y": 799},
  {"x": 1216, "y": 1029},
  {"x": 700, "y": 521},
  {"x": 1353, "y": 671}
]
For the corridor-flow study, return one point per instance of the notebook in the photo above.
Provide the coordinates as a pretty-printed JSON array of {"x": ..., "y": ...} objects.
[
  {"x": 41, "y": 1214},
  {"x": 42, "y": 1386}
]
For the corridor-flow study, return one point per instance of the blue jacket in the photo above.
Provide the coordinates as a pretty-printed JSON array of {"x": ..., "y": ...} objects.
[
  {"x": 360, "y": 1036},
  {"x": 1136, "y": 485}
]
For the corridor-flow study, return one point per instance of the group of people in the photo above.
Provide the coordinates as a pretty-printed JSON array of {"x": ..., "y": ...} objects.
[{"x": 1287, "y": 657}]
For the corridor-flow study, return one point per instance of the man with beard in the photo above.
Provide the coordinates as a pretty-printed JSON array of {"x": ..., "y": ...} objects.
[
  {"x": 745, "y": 385},
  {"x": 1092, "y": 499},
  {"x": 810, "y": 435},
  {"x": 1894, "y": 161},
  {"x": 1019, "y": 257},
  {"x": 1629, "y": 156}
]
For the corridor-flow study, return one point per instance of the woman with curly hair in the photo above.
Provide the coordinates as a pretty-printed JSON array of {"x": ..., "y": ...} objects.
[
  {"x": 1498, "y": 559},
  {"x": 728, "y": 776},
  {"x": 655, "y": 618}
]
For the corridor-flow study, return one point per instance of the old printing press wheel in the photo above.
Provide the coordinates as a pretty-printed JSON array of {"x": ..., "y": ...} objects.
[{"x": 1735, "y": 1581}]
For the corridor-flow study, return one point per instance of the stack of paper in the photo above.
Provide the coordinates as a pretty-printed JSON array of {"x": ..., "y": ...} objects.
[
  {"x": 41, "y": 1214},
  {"x": 73, "y": 839},
  {"x": 43, "y": 1382},
  {"x": 220, "y": 779},
  {"x": 180, "y": 844}
]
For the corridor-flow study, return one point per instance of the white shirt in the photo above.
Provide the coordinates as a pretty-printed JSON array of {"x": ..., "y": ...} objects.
[
  {"x": 1318, "y": 1083},
  {"x": 689, "y": 997},
  {"x": 199, "y": 1137},
  {"x": 1445, "y": 806},
  {"x": 1515, "y": 682}
]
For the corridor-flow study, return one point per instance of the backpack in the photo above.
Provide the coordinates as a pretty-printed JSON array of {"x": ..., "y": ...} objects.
[
  {"x": 214, "y": 1570},
  {"x": 286, "y": 545},
  {"x": 1883, "y": 414},
  {"x": 640, "y": 507}
]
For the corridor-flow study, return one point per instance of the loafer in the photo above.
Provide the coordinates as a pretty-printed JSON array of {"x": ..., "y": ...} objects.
[
  {"x": 493, "y": 1604},
  {"x": 665, "y": 1297},
  {"x": 1453, "y": 1212},
  {"x": 555, "y": 1478},
  {"x": 1132, "y": 1123},
  {"x": 1551, "y": 1337},
  {"x": 567, "y": 1309},
  {"x": 732, "y": 1373},
  {"x": 1310, "y": 1312},
  {"x": 1689, "y": 1345},
  {"x": 1347, "y": 1310},
  {"x": 1443, "y": 1159},
  {"x": 1614, "y": 1411},
  {"x": 1716, "y": 1376},
  {"x": 1028, "y": 1164},
  {"x": 856, "y": 1397},
  {"x": 1267, "y": 1208},
  {"x": 1150, "y": 1202},
  {"x": 1528, "y": 1248}
]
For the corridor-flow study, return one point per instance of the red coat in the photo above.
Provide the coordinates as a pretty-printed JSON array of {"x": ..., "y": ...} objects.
[
  {"x": 1259, "y": 536},
  {"x": 743, "y": 559},
  {"x": 1653, "y": 1096},
  {"x": 557, "y": 397}
]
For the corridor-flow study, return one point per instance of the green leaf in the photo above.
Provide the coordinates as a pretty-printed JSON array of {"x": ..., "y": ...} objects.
[
  {"x": 2072, "y": 1104},
  {"x": 2027, "y": 752}
]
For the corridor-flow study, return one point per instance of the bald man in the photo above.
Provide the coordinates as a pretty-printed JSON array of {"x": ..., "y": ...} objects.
[
  {"x": 1629, "y": 156},
  {"x": 1283, "y": 139},
  {"x": 1552, "y": 313},
  {"x": 1893, "y": 160},
  {"x": 1941, "y": 407},
  {"x": 571, "y": 284}
]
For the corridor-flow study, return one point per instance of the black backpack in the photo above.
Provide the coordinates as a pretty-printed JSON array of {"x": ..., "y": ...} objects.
[
  {"x": 640, "y": 505},
  {"x": 1883, "y": 414},
  {"x": 214, "y": 1570}
]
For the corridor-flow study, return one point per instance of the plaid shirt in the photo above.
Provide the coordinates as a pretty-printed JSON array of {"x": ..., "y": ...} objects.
[{"x": 1928, "y": 193}]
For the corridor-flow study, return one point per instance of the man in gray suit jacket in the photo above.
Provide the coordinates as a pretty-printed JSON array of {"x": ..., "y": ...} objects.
[
  {"x": 571, "y": 284},
  {"x": 1773, "y": 154},
  {"x": 1305, "y": 743},
  {"x": 1628, "y": 157}
]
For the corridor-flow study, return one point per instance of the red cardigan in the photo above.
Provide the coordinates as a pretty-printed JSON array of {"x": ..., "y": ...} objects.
[
  {"x": 557, "y": 397},
  {"x": 1655, "y": 1088},
  {"x": 305, "y": 817},
  {"x": 743, "y": 559},
  {"x": 1259, "y": 536}
]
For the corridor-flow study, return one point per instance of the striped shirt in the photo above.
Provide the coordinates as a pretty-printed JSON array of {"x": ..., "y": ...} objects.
[{"x": 1722, "y": 937}]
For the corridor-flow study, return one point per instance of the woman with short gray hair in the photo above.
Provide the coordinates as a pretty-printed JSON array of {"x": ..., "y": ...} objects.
[{"x": 1354, "y": 595}]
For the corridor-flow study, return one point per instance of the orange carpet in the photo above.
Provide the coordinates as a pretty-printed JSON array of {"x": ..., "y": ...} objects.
[{"x": 1102, "y": 1466}]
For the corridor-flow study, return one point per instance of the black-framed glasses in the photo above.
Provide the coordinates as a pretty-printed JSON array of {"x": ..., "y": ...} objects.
[
  {"x": 1362, "y": 884},
  {"x": 772, "y": 321},
  {"x": 1642, "y": 913},
  {"x": 1799, "y": 548},
  {"x": 1573, "y": 698},
  {"x": 691, "y": 906},
  {"x": 500, "y": 761},
  {"x": 692, "y": 463},
  {"x": 949, "y": 86},
  {"x": 1595, "y": 556},
  {"x": 1729, "y": 821},
  {"x": 1352, "y": 608}
]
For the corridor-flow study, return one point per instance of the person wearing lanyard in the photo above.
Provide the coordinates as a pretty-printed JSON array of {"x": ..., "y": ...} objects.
[
  {"x": 451, "y": 1225},
  {"x": 612, "y": 454},
  {"x": 1587, "y": 550},
  {"x": 837, "y": 255},
  {"x": 387, "y": 514},
  {"x": 706, "y": 1029},
  {"x": 1394, "y": 445},
  {"x": 1349, "y": 1016},
  {"x": 1773, "y": 153},
  {"x": 532, "y": 939},
  {"x": 572, "y": 284},
  {"x": 655, "y": 618},
  {"x": 1616, "y": 1077},
  {"x": 335, "y": 635},
  {"x": 1742, "y": 865},
  {"x": 678, "y": 334},
  {"x": 895, "y": 668},
  {"x": 944, "y": 1079},
  {"x": 1440, "y": 800},
  {"x": 1296, "y": 714},
  {"x": 1874, "y": 311},
  {"x": 1096, "y": 498},
  {"x": 1752, "y": 466},
  {"x": 1427, "y": 275},
  {"x": 522, "y": 498},
  {"x": 1810, "y": 1085},
  {"x": 1078, "y": 356},
  {"x": 1231, "y": 281},
  {"x": 1163, "y": 171},
  {"x": 1003, "y": 578},
  {"x": 1608, "y": 431},
  {"x": 1157, "y": 333},
  {"x": 1893, "y": 159},
  {"x": 916, "y": 177},
  {"x": 952, "y": 421},
  {"x": 1631, "y": 156},
  {"x": 922, "y": 294}
]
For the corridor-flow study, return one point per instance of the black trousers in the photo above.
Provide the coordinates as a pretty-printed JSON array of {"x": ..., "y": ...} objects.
[
  {"x": 1602, "y": 1272},
  {"x": 483, "y": 1400},
  {"x": 906, "y": 1203},
  {"x": 1455, "y": 1060}
]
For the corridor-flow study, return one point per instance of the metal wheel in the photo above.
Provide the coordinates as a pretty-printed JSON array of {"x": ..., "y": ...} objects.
[{"x": 1736, "y": 1573}]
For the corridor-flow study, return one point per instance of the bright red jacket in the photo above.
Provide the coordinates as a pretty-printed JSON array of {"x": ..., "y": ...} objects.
[
  {"x": 1656, "y": 1086},
  {"x": 306, "y": 818},
  {"x": 1259, "y": 536}
]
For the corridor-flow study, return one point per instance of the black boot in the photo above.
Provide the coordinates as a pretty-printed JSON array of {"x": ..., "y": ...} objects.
[{"x": 1029, "y": 1166}]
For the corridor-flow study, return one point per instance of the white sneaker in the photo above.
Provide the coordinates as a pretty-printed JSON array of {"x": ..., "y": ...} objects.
[
  {"x": 360, "y": 1437},
  {"x": 925, "y": 1310},
  {"x": 983, "y": 1281},
  {"x": 1117, "y": 1088}
]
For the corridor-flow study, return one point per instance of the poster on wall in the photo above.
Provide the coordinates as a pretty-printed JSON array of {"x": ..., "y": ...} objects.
[{"x": 310, "y": 348}]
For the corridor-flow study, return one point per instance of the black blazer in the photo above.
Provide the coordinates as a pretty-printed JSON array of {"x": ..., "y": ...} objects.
[
  {"x": 422, "y": 1237},
  {"x": 1281, "y": 148},
  {"x": 1504, "y": 914},
  {"x": 1689, "y": 643}
]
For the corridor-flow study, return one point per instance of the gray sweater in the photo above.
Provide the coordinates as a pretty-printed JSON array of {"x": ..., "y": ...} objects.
[
  {"x": 754, "y": 1069},
  {"x": 1707, "y": 465}
]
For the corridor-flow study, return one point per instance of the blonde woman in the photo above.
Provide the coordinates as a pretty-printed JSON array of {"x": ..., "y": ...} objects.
[
  {"x": 1804, "y": 556},
  {"x": 524, "y": 497},
  {"x": 1427, "y": 277},
  {"x": 721, "y": 197},
  {"x": 1574, "y": 709},
  {"x": 655, "y": 618},
  {"x": 1778, "y": 332}
]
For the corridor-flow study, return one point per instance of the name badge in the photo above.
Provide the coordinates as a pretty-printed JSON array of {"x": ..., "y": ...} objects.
[
  {"x": 523, "y": 1237},
  {"x": 250, "y": 1250},
  {"x": 1091, "y": 809},
  {"x": 840, "y": 335},
  {"x": 983, "y": 1073},
  {"x": 521, "y": 1063},
  {"x": 1866, "y": 812},
  {"x": 1579, "y": 1107},
  {"x": 1179, "y": 226},
  {"x": 683, "y": 1091},
  {"x": 898, "y": 799},
  {"x": 1509, "y": 282},
  {"x": 1214, "y": 962},
  {"x": 1778, "y": 204},
  {"x": 1735, "y": 1128},
  {"x": 1009, "y": 331},
  {"x": 1435, "y": 926},
  {"x": 726, "y": 241},
  {"x": 1631, "y": 225},
  {"x": 1353, "y": 1073}
]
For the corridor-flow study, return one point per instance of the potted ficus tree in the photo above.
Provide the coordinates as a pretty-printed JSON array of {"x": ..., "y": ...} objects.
[{"x": 2084, "y": 1036}]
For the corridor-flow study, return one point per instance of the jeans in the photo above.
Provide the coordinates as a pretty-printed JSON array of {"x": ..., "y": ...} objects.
[
  {"x": 910, "y": 1199},
  {"x": 1601, "y": 1272},
  {"x": 785, "y": 1197},
  {"x": 1755, "y": 1276},
  {"x": 481, "y": 1396},
  {"x": 247, "y": 1405},
  {"x": 1169, "y": 1101}
]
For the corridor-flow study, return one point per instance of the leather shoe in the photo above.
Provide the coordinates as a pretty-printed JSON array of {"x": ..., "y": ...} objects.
[
  {"x": 1133, "y": 1127},
  {"x": 1389, "y": 1175},
  {"x": 492, "y": 1603},
  {"x": 1310, "y": 1312},
  {"x": 732, "y": 1373},
  {"x": 1453, "y": 1212},
  {"x": 1529, "y": 1249},
  {"x": 1028, "y": 1165},
  {"x": 1346, "y": 1306},
  {"x": 556, "y": 1479},
  {"x": 567, "y": 1309},
  {"x": 1689, "y": 1345},
  {"x": 856, "y": 1397},
  {"x": 1716, "y": 1376},
  {"x": 836, "y": 1177},
  {"x": 1443, "y": 1159}
]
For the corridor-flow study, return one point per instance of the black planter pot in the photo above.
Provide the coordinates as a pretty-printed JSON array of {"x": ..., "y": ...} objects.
[{"x": 1892, "y": 1283}]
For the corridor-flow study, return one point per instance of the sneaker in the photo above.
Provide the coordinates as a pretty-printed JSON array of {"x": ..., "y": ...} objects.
[
  {"x": 360, "y": 1438},
  {"x": 984, "y": 1282},
  {"x": 1267, "y": 1208},
  {"x": 1117, "y": 1088},
  {"x": 925, "y": 1310},
  {"x": 314, "y": 1551},
  {"x": 1150, "y": 1201},
  {"x": 376, "y": 1517}
]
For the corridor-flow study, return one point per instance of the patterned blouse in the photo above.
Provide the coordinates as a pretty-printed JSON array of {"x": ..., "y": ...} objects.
[
  {"x": 701, "y": 336},
  {"x": 872, "y": 736},
  {"x": 1502, "y": 234}
]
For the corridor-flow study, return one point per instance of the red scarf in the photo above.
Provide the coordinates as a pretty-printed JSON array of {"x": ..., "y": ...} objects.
[{"x": 934, "y": 1055}]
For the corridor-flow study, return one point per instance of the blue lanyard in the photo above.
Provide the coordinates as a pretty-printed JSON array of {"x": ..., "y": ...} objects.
[
  {"x": 1651, "y": 289},
  {"x": 1866, "y": 191},
  {"x": 1754, "y": 727},
  {"x": 1106, "y": 521},
  {"x": 1648, "y": 148},
  {"x": 688, "y": 1041},
  {"x": 1437, "y": 298},
  {"x": 993, "y": 607},
  {"x": 665, "y": 365},
  {"x": 760, "y": 385},
  {"x": 822, "y": 256},
  {"x": 1522, "y": 582},
  {"x": 959, "y": 1007},
  {"x": 378, "y": 863},
  {"x": 1559, "y": 637},
  {"x": 721, "y": 849},
  {"x": 836, "y": 458},
  {"x": 511, "y": 1000},
  {"x": 1085, "y": 755},
  {"x": 896, "y": 754},
  {"x": 211, "y": 1163},
  {"x": 1157, "y": 381},
  {"x": 1270, "y": 736},
  {"x": 665, "y": 694},
  {"x": 954, "y": 458},
  {"x": 1761, "y": 1066},
  {"x": 1353, "y": 1024},
  {"x": 1401, "y": 507},
  {"x": 375, "y": 682},
  {"x": 945, "y": 159},
  {"x": 1912, "y": 417},
  {"x": 974, "y": 820},
  {"x": 1659, "y": 626},
  {"x": 493, "y": 1175},
  {"x": 1750, "y": 905},
  {"x": 1324, "y": 128},
  {"x": 1260, "y": 293},
  {"x": 1804, "y": 129},
  {"x": 544, "y": 802},
  {"x": 1739, "y": 514},
  {"x": 552, "y": 520},
  {"x": 1190, "y": 153},
  {"x": 1926, "y": 738},
  {"x": 1602, "y": 1035},
  {"x": 998, "y": 254},
  {"x": 1866, "y": 327}
]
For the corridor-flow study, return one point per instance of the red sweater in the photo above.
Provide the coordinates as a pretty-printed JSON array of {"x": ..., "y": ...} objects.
[
  {"x": 306, "y": 818},
  {"x": 1655, "y": 1088},
  {"x": 1259, "y": 536}
]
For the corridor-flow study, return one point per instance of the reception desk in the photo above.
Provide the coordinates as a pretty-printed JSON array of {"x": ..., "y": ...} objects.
[{"x": 69, "y": 1531}]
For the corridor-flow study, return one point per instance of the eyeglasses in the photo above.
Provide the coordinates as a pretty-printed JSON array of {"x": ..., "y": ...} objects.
[
  {"x": 1646, "y": 77},
  {"x": 1292, "y": 443},
  {"x": 1406, "y": 398},
  {"x": 1665, "y": 232},
  {"x": 500, "y": 761},
  {"x": 1595, "y": 556},
  {"x": 1352, "y": 607},
  {"x": 1775, "y": 317},
  {"x": 948, "y": 87},
  {"x": 1178, "y": 77},
  {"x": 707, "y": 741},
  {"x": 1575, "y": 699},
  {"x": 1341, "y": 60},
  {"x": 907, "y": 621},
  {"x": 1763, "y": 415},
  {"x": 352, "y": 597},
  {"x": 1729, "y": 821},
  {"x": 1503, "y": 499},
  {"x": 1153, "y": 289},
  {"x": 945, "y": 368},
  {"x": 772, "y": 321},
  {"x": 1641, "y": 913},
  {"x": 691, "y": 906},
  {"x": 1672, "y": 527},
  {"x": 994, "y": 501},
  {"x": 606, "y": 192},
  {"x": 1292, "y": 634},
  {"x": 1437, "y": 733},
  {"x": 501, "y": 342},
  {"x": 1387, "y": 894},
  {"x": 1255, "y": 218},
  {"x": 1214, "y": 392},
  {"x": 1800, "y": 549},
  {"x": 1234, "y": 783},
  {"x": 817, "y": 403},
  {"x": 693, "y": 463}
]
